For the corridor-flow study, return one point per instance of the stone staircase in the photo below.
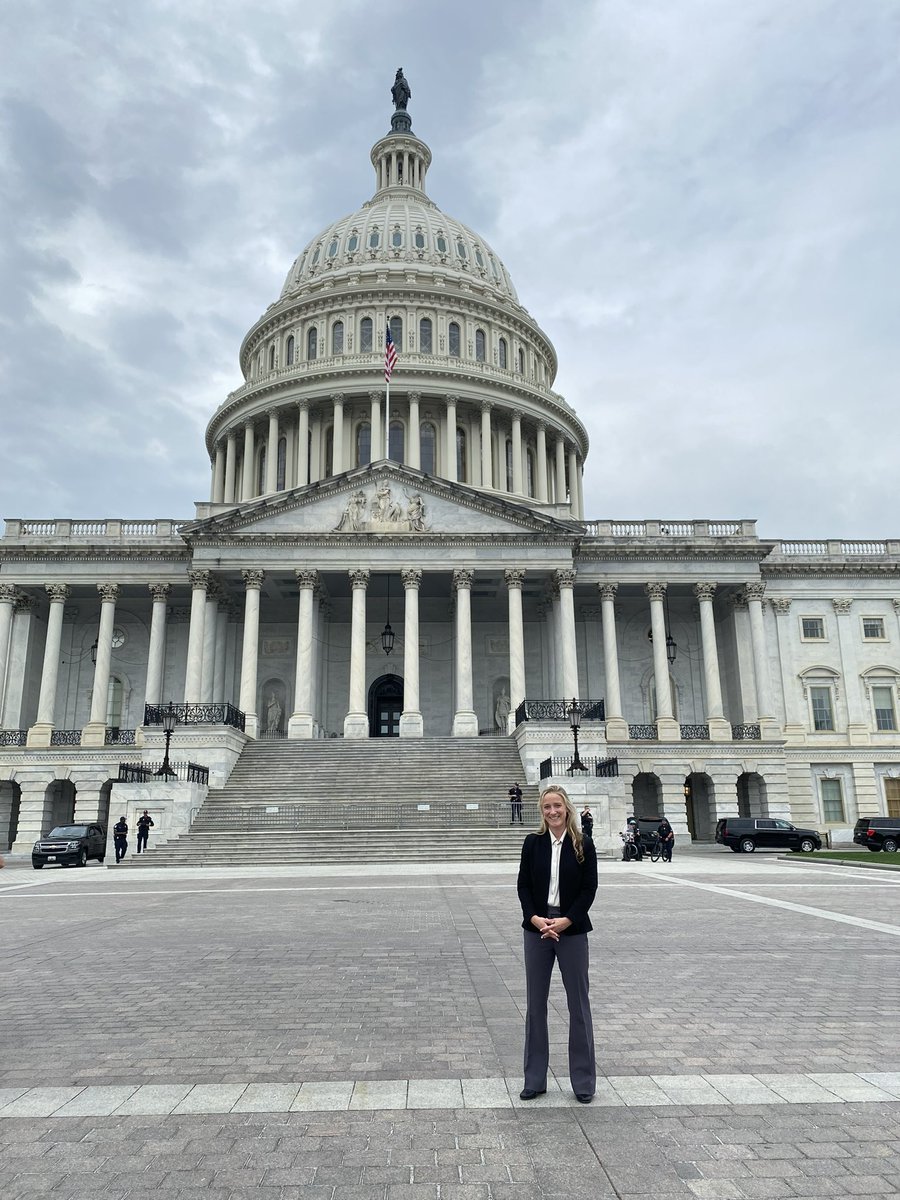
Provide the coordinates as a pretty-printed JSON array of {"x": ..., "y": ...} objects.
[{"x": 337, "y": 801}]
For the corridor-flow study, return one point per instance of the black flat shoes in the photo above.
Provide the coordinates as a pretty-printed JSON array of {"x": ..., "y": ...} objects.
[{"x": 532, "y": 1093}]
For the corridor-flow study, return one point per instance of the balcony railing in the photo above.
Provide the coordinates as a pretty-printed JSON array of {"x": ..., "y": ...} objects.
[
  {"x": 670, "y": 529},
  {"x": 694, "y": 733},
  {"x": 642, "y": 733},
  {"x": 187, "y": 772},
  {"x": 13, "y": 737},
  {"x": 605, "y": 768},
  {"x": 197, "y": 714},
  {"x": 108, "y": 528},
  {"x": 745, "y": 733},
  {"x": 559, "y": 710},
  {"x": 65, "y": 737},
  {"x": 119, "y": 737}
]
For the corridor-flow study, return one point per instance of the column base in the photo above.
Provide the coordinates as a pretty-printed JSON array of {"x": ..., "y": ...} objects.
[
  {"x": 94, "y": 734},
  {"x": 300, "y": 726},
  {"x": 356, "y": 725},
  {"x": 465, "y": 724},
  {"x": 858, "y": 735},
  {"x": 719, "y": 729},
  {"x": 411, "y": 725},
  {"x": 616, "y": 729},
  {"x": 251, "y": 725},
  {"x": 770, "y": 730},
  {"x": 668, "y": 729},
  {"x": 38, "y": 737}
]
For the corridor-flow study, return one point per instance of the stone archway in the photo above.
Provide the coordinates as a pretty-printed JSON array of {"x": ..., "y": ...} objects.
[
  {"x": 60, "y": 802},
  {"x": 753, "y": 800},
  {"x": 385, "y": 706},
  {"x": 646, "y": 796},
  {"x": 10, "y": 800},
  {"x": 700, "y": 806}
]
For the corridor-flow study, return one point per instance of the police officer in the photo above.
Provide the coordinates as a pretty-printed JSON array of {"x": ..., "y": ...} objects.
[
  {"x": 144, "y": 823},
  {"x": 120, "y": 838}
]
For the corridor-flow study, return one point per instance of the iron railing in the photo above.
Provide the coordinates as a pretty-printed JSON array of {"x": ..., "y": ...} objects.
[
  {"x": 65, "y": 737},
  {"x": 745, "y": 733},
  {"x": 642, "y": 733},
  {"x": 119, "y": 737},
  {"x": 695, "y": 733},
  {"x": 197, "y": 714},
  {"x": 186, "y": 772},
  {"x": 606, "y": 768},
  {"x": 559, "y": 710},
  {"x": 272, "y": 735},
  {"x": 13, "y": 737}
]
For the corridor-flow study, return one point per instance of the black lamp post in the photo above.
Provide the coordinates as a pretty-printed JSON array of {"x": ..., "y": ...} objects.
[
  {"x": 94, "y": 649},
  {"x": 387, "y": 634},
  {"x": 169, "y": 721},
  {"x": 575, "y": 725},
  {"x": 671, "y": 644}
]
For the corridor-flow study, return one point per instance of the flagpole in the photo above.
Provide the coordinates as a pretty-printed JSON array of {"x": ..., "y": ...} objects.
[{"x": 387, "y": 419}]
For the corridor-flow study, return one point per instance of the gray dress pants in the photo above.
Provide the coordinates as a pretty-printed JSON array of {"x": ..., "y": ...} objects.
[{"x": 571, "y": 952}]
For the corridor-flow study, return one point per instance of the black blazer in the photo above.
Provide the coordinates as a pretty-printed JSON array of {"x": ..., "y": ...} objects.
[{"x": 577, "y": 881}]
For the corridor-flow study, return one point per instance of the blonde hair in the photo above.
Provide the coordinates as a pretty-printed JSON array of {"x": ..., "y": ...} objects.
[{"x": 573, "y": 827}]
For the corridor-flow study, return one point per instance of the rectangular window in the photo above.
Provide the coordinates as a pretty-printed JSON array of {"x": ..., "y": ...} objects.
[
  {"x": 813, "y": 628},
  {"x": 883, "y": 703},
  {"x": 873, "y": 627},
  {"x": 892, "y": 797},
  {"x": 832, "y": 801},
  {"x": 822, "y": 712}
]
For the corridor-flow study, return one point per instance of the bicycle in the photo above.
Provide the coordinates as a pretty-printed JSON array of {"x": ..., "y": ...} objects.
[
  {"x": 630, "y": 851},
  {"x": 657, "y": 851}
]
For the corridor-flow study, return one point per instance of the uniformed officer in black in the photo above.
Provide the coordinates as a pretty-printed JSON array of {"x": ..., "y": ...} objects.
[
  {"x": 120, "y": 838},
  {"x": 144, "y": 822}
]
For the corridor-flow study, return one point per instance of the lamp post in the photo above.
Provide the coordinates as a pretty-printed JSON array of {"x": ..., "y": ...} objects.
[
  {"x": 575, "y": 725},
  {"x": 387, "y": 634},
  {"x": 169, "y": 721}
]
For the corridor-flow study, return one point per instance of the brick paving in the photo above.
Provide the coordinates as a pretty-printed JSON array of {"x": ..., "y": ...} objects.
[{"x": 180, "y": 1017}]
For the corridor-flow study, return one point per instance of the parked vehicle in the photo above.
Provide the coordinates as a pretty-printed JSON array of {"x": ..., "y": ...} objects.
[
  {"x": 70, "y": 846},
  {"x": 878, "y": 833},
  {"x": 769, "y": 833}
]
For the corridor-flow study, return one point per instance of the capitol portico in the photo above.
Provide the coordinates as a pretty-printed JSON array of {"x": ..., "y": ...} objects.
[{"x": 416, "y": 562}]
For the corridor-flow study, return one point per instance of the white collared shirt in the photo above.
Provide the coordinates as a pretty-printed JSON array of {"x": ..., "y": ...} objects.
[{"x": 555, "y": 851}]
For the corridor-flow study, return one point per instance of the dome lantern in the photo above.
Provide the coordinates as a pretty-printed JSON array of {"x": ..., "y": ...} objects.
[{"x": 400, "y": 159}]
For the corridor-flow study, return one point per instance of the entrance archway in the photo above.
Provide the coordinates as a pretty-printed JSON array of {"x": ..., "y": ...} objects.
[
  {"x": 699, "y": 796},
  {"x": 752, "y": 798},
  {"x": 385, "y": 706},
  {"x": 646, "y": 796}
]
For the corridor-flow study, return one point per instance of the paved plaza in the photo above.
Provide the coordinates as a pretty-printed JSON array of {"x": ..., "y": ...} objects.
[{"x": 292, "y": 1033}]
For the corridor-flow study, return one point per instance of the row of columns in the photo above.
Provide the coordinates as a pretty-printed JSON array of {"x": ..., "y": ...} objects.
[{"x": 302, "y": 469}]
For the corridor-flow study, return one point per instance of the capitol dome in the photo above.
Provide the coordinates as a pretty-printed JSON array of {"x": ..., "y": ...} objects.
[{"x": 471, "y": 397}]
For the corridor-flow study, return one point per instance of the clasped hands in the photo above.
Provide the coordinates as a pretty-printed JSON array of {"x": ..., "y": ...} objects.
[{"x": 550, "y": 927}]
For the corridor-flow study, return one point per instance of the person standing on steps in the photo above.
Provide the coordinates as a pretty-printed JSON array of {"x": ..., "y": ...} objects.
[
  {"x": 557, "y": 884},
  {"x": 587, "y": 823},
  {"x": 144, "y": 825},
  {"x": 515, "y": 804},
  {"x": 120, "y": 838}
]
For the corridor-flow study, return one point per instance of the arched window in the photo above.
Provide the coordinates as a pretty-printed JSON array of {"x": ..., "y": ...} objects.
[
  {"x": 397, "y": 238},
  {"x": 115, "y": 696},
  {"x": 289, "y": 350},
  {"x": 453, "y": 339},
  {"x": 396, "y": 441},
  {"x": 337, "y": 337},
  {"x": 272, "y": 357},
  {"x": 261, "y": 470},
  {"x": 502, "y": 353},
  {"x": 427, "y": 446},
  {"x": 521, "y": 362},
  {"x": 312, "y": 343},
  {"x": 441, "y": 244},
  {"x": 353, "y": 242},
  {"x": 282, "y": 465},
  {"x": 363, "y": 444},
  {"x": 365, "y": 334},
  {"x": 329, "y": 451},
  {"x": 479, "y": 345},
  {"x": 332, "y": 248},
  {"x": 509, "y": 465},
  {"x": 425, "y": 335},
  {"x": 419, "y": 240},
  {"x": 396, "y": 324},
  {"x": 374, "y": 239},
  {"x": 529, "y": 471},
  {"x": 462, "y": 466}
]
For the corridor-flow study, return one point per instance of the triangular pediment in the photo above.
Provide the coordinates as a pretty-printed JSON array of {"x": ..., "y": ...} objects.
[{"x": 385, "y": 499}]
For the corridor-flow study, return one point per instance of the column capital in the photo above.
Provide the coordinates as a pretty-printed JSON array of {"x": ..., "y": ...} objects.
[
  {"x": 704, "y": 591},
  {"x": 8, "y": 592},
  {"x": 781, "y": 604},
  {"x": 303, "y": 405},
  {"x": 412, "y": 577},
  {"x": 337, "y": 397},
  {"x": 565, "y": 577},
  {"x": 541, "y": 425},
  {"x": 451, "y": 398},
  {"x": 515, "y": 577},
  {"x": 24, "y": 602},
  {"x": 199, "y": 579},
  {"x": 58, "y": 592},
  {"x": 374, "y": 397},
  {"x": 253, "y": 579},
  {"x": 359, "y": 578},
  {"x": 755, "y": 591},
  {"x": 895, "y": 601},
  {"x": 656, "y": 590},
  {"x": 414, "y": 397},
  {"x": 273, "y": 412},
  {"x": 159, "y": 591},
  {"x": 516, "y": 417},
  {"x": 109, "y": 592},
  {"x": 841, "y": 605},
  {"x": 487, "y": 407},
  {"x": 608, "y": 591},
  {"x": 462, "y": 578},
  {"x": 307, "y": 579}
]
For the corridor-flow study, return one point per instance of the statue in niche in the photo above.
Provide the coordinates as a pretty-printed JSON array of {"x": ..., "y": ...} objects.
[
  {"x": 501, "y": 712},
  {"x": 384, "y": 509},
  {"x": 274, "y": 713},
  {"x": 415, "y": 514},
  {"x": 353, "y": 515},
  {"x": 401, "y": 91}
]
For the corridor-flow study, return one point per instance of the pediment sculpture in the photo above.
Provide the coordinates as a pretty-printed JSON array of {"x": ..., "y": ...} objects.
[{"x": 382, "y": 514}]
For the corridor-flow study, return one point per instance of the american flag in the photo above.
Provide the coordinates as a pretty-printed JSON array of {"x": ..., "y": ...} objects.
[{"x": 390, "y": 356}]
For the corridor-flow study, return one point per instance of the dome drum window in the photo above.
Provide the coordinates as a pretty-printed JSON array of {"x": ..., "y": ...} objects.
[
  {"x": 479, "y": 345},
  {"x": 316, "y": 256},
  {"x": 337, "y": 337},
  {"x": 503, "y": 353},
  {"x": 461, "y": 251},
  {"x": 425, "y": 336},
  {"x": 397, "y": 238},
  {"x": 312, "y": 343},
  {"x": 289, "y": 351},
  {"x": 374, "y": 239},
  {"x": 441, "y": 243},
  {"x": 333, "y": 248},
  {"x": 419, "y": 240},
  {"x": 453, "y": 340},
  {"x": 365, "y": 335},
  {"x": 353, "y": 242}
]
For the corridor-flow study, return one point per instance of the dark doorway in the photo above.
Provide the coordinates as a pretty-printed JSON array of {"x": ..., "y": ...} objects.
[{"x": 385, "y": 706}]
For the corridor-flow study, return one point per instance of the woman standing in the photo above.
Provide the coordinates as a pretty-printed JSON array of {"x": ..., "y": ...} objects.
[{"x": 557, "y": 884}]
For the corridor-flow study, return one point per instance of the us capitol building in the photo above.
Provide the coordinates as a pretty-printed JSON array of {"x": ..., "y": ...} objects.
[{"x": 441, "y": 519}]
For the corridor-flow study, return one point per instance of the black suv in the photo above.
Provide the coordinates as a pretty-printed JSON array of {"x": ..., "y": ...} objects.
[
  {"x": 769, "y": 833},
  {"x": 878, "y": 833},
  {"x": 70, "y": 846}
]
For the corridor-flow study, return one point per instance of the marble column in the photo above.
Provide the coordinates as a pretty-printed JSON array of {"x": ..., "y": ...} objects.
[
  {"x": 667, "y": 728},
  {"x": 302, "y": 443},
  {"x": 517, "y": 486},
  {"x": 858, "y": 713},
  {"x": 560, "y": 471},
  {"x": 210, "y": 631},
  {"x": 616, "y": 726},
  {"x": 767, "y": 723},
  {"x": 8, "y": 597},
  {"x": 156, "y": 655},
  {"x": 272, "y": 453},
  {"x": 487, "y": 455},
  {"x": 230, "y": 496},
  {"x": 376, "y": 436},
  {"x": 39, "y": 733},
  {"x": 719, "y": 728},
  {"x": 450, "y": 440},
  {"x": 300, "y": 724},
  {"x": 248, "y": 486},
  {"x": 16, "y": 662},
  {"x": 337, "y": 452},
  {"x": 541, "y": 454},
  {"x": 194, "y": 670},
  {"x": 573, "y": 481},
  {"x": 557, "y": 639},
  {"x": 465, "y": 721},
  {"x": 94, "y": 733},
  {"x": 411, "y": 720},
  {"x": 515, "y": 578},
  {"x": 565, "y": 581},
  {"x": 250, "y": 650},
  {"x": 414, "y": 443},
  {"x": 356, "y": 722},
  {"x": 219, "y": 695},
  {"x": 218, "y": 479}
]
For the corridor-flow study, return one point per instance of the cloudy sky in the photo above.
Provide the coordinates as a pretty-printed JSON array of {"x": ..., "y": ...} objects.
[{"x": 698, "y": 200}]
